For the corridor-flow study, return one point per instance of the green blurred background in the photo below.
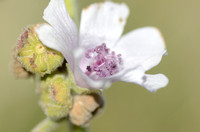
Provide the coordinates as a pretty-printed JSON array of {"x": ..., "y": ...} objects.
[{"x": 129, "y": 107}]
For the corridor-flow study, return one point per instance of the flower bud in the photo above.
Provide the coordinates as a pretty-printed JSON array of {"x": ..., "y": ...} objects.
[
  {"x": 85, "y": 107},
  {"x": 55, "y": 96},
  {"x": 34, "y": 56},
  {"x": 17, "y": 69}
]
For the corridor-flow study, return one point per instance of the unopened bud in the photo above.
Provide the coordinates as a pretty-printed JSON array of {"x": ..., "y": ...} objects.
[
  {"x": 17, "y": 69},
  {"x": 60, "y": 91},
  {"x": 55, "y": 97},
  {"x": 85, "y": 107},
  {"x": 34, "y": 56}
]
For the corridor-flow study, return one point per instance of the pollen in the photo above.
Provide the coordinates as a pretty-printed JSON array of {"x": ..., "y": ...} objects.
[{"x": 103, "y": 62}]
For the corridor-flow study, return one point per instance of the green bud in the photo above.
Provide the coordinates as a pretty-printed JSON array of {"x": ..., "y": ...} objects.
[
  {"x": 56, "y": 98},
  {"x": 17, "y": 69},
  {"x": 34, "y": 56},
  {"x": 59, "y": 91}
]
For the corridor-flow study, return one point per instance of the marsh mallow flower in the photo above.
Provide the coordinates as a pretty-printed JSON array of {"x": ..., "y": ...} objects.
[{"x": 97, "y": 54}]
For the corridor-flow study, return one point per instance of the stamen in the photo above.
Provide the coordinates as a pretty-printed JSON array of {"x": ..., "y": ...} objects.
[{"x": 103, "y": 62}]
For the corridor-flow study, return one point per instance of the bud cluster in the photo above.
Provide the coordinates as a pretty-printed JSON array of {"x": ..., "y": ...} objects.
[{"x": 60, "y": 97}]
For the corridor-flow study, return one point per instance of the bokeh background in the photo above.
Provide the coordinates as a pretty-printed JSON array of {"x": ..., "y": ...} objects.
[{"x": 129, "y": 107}]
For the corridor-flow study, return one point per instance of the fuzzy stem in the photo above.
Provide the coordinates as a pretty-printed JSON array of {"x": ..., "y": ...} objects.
[{"x": 46, "y": 125}]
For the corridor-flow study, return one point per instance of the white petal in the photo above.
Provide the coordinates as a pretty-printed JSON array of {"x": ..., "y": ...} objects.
[
  {"x": 154, "y": 82},
  {"x": 103, "y": 21},
  {"x": 138, "y": 76},
  {"x": 133, "y": 75},
  {"x": 142, "y": 47},
  {"x": 49, "y": 37},
  {"x": 63, "y": 34}
]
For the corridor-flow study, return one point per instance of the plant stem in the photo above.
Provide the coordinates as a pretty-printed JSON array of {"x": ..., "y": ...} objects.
[{"x": 46, "y": 125}]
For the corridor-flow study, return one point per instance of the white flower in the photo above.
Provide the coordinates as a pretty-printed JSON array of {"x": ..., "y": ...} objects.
[{"x": 97, "y": 54}]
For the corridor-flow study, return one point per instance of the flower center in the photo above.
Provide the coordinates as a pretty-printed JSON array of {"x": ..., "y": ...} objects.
[{"x": 103, "y": 62}]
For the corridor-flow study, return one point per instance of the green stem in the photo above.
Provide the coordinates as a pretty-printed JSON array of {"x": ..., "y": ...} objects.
[{"x": 46, "y": 125}]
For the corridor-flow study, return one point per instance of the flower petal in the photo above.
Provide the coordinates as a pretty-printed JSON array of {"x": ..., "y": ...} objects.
[
  {"x": 142, "y": 47},
  {"x": 141, "y": 50},
  {"x": 154, "y": 82},
  {"x": 103, "y": 21},
  {"x": 134, "y": 75},
  {"x": 48, "y": 36},
  {"x": 63, "y": 30},
  {"x": 137, "y": 75}
]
